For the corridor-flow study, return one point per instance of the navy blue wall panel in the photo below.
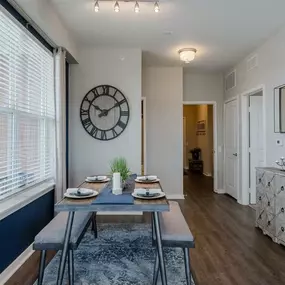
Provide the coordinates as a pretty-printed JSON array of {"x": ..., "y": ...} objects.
[{"x": 17, "y": 231}]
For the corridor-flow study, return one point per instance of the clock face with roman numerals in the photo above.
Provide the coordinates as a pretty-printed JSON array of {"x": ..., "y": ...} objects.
[{"x": 104, "y": 112}]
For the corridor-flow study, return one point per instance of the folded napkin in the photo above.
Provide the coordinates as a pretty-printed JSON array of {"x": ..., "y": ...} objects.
[
  {"x": 107, "y": 197},
  {"x": 96, "y": 178},
  {"x": 147, "y": 177},
  {"x": 143, "y": 191},
  {"x": 81, "y": 190}
]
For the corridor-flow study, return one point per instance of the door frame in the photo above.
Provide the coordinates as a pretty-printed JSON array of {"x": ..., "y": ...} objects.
[
  {"x": 143, "y": 100},
  {"x": 244, "y": 149},
  {"x": 215, "y": 135},
  {"x": 235, "y": 98}
]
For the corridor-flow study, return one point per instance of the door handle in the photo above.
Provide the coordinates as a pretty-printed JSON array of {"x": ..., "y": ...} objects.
[{"x": 235, "y": 154}]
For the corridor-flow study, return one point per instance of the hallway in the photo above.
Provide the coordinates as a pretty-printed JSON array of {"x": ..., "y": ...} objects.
[{"x": 229, "y": 249}]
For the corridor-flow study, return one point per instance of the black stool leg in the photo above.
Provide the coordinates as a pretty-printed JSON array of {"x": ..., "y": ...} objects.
[
  {"x": 71, "y": 267},
  {"x": 187, "y": 265},
  {"x": 94, "y": 224},
  {"x": 156, "y": 270},
  {"x": 42, "y": 267}
]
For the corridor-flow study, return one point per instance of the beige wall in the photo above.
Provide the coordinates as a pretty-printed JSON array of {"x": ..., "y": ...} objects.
[
  {"x": 193, "y": 114},
  {"x": 163, "y": 89},
  {"x": 190, "y": 113}
]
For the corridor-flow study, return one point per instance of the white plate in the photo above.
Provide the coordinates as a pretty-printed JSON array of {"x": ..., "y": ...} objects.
[
  {"x": 97, "y": 181},
  {"x": 147, "y": 181},
  {"x": 67, "y": 195},
  {"x": 149, "y": 198}
]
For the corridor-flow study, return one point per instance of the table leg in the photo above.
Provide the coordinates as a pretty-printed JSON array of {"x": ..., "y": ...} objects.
[
  {"x": 159, "y": 247},
  {"x": 65, "y": 248}
]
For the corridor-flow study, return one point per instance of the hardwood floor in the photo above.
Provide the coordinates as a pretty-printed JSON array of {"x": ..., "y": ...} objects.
[{"x": 229, "y": 249}]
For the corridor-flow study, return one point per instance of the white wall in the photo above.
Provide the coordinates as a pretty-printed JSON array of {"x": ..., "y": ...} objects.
[
  {"x": 104, "y": 66},
  {"x": 163, "y": 89},
  {"x": 44, "y": 15},
  {"x": 208, "y": 87},
  {"x": 270, "y": 73}
]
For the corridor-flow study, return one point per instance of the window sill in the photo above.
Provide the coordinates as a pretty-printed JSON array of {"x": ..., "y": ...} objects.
[{"x": 20, "y": 200}]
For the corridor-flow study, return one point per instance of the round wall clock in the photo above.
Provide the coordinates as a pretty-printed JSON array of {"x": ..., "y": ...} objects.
[{"x": 104, "y": 112}]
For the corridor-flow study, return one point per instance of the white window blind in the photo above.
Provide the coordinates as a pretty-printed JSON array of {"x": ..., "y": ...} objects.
[{"x": 27, "y": 113}]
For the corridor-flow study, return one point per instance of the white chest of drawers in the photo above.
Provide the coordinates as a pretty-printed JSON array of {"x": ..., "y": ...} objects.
[{"x": 270, "y": 197}]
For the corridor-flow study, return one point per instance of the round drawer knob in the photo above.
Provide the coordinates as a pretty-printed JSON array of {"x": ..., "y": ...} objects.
[
  {"x": 259, "y": 180},
  {"x": 282, "y": 188},
  {"x": 269, "y": 223},
  {"x": 282, "y": 229},
  {"x": 268, "y": 203},
  {"x": 259, "y": 198},
  {"x": 282, "y": 210},
  {"x": 268, "y": 183}
]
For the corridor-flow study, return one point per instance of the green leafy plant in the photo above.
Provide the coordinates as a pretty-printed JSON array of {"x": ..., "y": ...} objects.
[{"x": 119, "y": 164}]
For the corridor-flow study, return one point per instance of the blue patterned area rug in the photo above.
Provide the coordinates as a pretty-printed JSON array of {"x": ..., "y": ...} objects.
[{"x": 122, "y": 255}]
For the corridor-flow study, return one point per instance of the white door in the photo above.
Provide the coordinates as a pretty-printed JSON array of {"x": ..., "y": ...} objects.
[
  {"x": 185, "y": 144},
  {"x": 231, "y": 152},
  {"x": 256, "y": 141}
]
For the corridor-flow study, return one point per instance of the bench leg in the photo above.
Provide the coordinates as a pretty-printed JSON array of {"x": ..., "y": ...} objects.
[
  {"x": 156, "y": 270},
  {"x": 65, "y": 248},
  {"x": 159, "y": 248},
  {"x": 71, "y": 267},
  {"x": 187, "y": 265},
  {"x": 94, "y": 224},
  {"x": 42, "y": 267}
]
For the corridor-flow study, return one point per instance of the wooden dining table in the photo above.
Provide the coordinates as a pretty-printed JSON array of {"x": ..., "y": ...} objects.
[{"x": 153, "y": 206}]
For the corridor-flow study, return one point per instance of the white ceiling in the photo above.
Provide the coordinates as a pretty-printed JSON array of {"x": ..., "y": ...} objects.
[{"x": 223, "y": 31}]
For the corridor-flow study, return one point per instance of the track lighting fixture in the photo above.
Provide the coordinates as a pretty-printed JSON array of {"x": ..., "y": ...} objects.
[
  {"x": 156, "y": 7},
  {"x": 96, "y": 6},
  {"x": 137, "y": 7},
  {"x": 117, "y": 7}
]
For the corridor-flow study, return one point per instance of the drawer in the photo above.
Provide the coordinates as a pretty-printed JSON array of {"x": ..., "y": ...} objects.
[
  {"x": 279, "y": 187},
  {"x": 265, "y": 202},
  {"x": 267, "y": 222},
  {"x": 280, "y": 228},
  {"x": 266, "y": 182}
]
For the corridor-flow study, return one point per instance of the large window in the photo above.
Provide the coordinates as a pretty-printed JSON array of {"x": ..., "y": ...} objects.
[{"x": 27, "y": 112}]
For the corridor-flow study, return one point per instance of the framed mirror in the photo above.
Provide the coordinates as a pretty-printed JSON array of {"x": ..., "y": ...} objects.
[{"x": 279, "y": 109}]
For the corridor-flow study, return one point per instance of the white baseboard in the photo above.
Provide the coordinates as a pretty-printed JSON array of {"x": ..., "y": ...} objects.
[
  {"x": 219, "y": 191},
  {"x": 119, "y": 213},
  {"x": 16, "y": 264},
  {"x": 207, "y": 174},
  {"x": 175, "y": 196}
]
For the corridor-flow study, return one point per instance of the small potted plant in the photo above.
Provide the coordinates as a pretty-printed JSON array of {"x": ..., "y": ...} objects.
[{"x": 119, "y": 164}]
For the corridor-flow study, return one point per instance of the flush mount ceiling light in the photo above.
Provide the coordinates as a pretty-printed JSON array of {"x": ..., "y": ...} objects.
[
  {"x": 187, "y": 54},
  {"x": 136, "y": 6}
]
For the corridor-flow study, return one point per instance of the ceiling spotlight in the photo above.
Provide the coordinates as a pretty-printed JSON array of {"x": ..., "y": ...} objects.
[
  {"x": 137, "y": 7},
  {"x": 156, "y": 7},
  {"x": 117, "y": 7},
  {"x": 187, "y": 54},
  {"x": 96, "y": 6}
]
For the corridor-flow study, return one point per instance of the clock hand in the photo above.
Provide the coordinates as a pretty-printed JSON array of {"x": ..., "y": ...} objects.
[
  {"x": 97, "y": 108},
  {"x": 105, "y": 112}
]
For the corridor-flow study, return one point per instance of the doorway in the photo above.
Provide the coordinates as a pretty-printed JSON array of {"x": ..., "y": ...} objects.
[{"x": 199, "y": 143}]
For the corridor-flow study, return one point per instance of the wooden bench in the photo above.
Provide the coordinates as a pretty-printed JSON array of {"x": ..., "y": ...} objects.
[
  {"x": 52, "y": 238},
  {"x": 175, "y": 233}
]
